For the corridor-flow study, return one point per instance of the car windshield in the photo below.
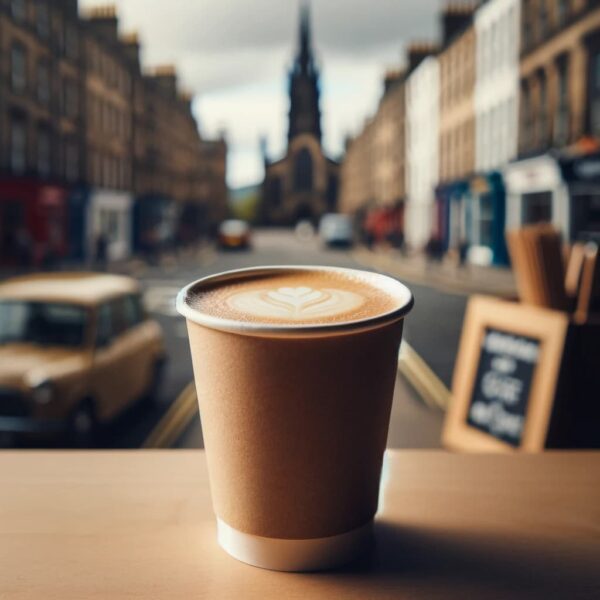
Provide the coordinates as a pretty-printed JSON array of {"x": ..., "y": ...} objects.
[{"x": 42, "y": 323}]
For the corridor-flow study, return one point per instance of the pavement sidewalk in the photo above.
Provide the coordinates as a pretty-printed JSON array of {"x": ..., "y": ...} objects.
[{"x": 442, "y": 275}]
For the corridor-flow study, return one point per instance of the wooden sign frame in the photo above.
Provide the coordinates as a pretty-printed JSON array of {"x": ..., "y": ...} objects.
[{"x": 547, "y": 326}]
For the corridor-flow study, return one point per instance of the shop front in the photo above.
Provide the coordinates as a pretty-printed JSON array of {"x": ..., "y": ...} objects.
[
  {"x": 33, "y": 223},
  {"x": 560, "y": 189},
  {"x": 385, "y": 225},
  {"x": 154, "y": 224},
  {"x": 485, "y": 220},
  {"x": 100, "y": 224},
  {"x": 451, "y": 212},
  {"x": 110, "y": 218}
]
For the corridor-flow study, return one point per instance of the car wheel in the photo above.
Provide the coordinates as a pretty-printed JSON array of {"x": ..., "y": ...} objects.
[{"x": 83, "y": 425}]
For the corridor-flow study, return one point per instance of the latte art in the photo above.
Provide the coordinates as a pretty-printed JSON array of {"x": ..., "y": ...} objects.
[
  {"x": 289, "y": 297},
  {"x": 295, "y": 303}
]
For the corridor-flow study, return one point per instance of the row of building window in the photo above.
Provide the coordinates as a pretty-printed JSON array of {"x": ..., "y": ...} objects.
[
  {"x": 44, "y": 146},
  {"x": 497, "y": 45},
  {"x": 457, "y": 150},
  {"x": 110, "y": 119},
  {"x": 541, "y": 123},
  {"x": 107, "y": 68},
  {"x": 110, "y": 171},
  {"x": 497, "y": 134},
  {"x": 457, "y": 73},
  {"x": 64, "y": 35},
  {"x": 68, "y": 98},
  {"x": 542, "y": 17}
]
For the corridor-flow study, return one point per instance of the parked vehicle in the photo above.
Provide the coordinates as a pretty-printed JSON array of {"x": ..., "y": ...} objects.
[
  {"x": 234, "y": 234},
  {"x": 76, "y": 349},
  {"x": 336, "y": 230}
]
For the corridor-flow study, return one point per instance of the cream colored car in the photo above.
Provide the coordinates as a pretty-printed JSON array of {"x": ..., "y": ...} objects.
[{"x": 76, "y": 349}]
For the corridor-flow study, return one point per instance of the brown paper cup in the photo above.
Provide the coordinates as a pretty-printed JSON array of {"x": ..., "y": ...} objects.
[{"x": 295, "y": 423}]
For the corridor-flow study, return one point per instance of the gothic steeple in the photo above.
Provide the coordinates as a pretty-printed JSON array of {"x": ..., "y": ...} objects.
[{"x": 305, "y": 114}]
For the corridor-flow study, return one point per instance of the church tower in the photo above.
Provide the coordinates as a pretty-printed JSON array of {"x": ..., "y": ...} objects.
[
  {"x": 305, "y": 114},
  {"x": 302, "y": 184}
]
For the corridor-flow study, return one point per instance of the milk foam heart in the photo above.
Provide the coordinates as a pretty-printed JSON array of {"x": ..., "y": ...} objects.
[{"x": 296, "y": 303}]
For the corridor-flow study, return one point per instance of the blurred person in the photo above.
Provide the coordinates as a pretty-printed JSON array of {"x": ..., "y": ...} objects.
[{"x": 101, "y": 257}]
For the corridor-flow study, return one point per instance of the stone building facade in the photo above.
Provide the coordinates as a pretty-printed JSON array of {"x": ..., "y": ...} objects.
[
  {"x": 457, "y": 88},
  {"x": 107, "y": 88},
  {"x": 304, "y": 183},
  {"x": 40, "y": 103},
  {"x": 557, "y": 179},
  {"x": 373, "y": 171},
  {"x": 560, "y": 73},
  {"x": 356, "y": 174},
  {"x": 497, "y": 29},
  {"x": 422, "y": 149}
]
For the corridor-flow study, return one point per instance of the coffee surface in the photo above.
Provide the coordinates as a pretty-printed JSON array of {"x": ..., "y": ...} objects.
[{"x": 296, "y": 298}]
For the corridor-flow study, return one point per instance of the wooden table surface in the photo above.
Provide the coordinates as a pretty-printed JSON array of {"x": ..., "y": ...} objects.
[{"x": 138, "y": 524}]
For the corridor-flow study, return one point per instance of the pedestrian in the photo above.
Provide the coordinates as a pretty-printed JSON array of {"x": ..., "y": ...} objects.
[{"x": 101, "y": 251}]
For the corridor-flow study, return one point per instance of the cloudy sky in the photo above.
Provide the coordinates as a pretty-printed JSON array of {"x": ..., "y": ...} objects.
[{"x": 233, "y": 55}]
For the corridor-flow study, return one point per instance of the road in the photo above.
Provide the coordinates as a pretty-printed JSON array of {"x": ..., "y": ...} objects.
[
  {"x": 432, "y": 329},
  {"x": 413, "y": 424}
]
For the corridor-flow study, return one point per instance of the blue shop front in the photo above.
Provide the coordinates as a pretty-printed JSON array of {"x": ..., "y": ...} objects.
[{"x": 471, "y": 219}]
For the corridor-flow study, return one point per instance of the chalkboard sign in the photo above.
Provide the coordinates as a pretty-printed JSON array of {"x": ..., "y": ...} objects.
[
  {"x": 502, "y": 385},
  {"x": 505, "y": 376}
]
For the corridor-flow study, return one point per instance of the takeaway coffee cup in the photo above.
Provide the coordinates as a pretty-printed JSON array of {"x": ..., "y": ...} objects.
[{"x": 294, "y": 370}]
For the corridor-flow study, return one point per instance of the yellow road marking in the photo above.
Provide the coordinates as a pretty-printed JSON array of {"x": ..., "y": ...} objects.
[
  {"x": 410, "y": 364},
  {"x": 175, "y": 420},
  {"x": 425, "y": 382}
]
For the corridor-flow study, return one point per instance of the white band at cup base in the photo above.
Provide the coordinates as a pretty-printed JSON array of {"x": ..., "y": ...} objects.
[{"x": 293, "y": 555}]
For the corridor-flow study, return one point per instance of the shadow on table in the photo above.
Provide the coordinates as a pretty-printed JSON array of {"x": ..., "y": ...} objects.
[{"x": 482, "y": 565}]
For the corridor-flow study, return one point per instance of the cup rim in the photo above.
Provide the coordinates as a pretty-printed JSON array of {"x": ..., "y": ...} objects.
[{"x": 390, "y": 284}]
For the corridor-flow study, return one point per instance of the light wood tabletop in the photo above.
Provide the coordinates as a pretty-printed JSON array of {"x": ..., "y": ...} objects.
[{"x": 139, "y": 524}]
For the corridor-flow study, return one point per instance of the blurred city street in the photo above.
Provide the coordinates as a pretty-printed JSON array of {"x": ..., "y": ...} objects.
[{"x": 413, "y": 423}]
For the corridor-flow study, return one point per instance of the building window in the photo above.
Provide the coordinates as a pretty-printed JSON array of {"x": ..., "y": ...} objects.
[
  {"x": 486, "y": 220},
  {"x": 18, "y": 146},
  {"x": 526, "y": 21},
  {"x": 594, "y": 92},
  {"x": 71, "y": 42},
  {"x": 543, "y": 110},
  {"x": 561, "y": 121},
  {"x": 43, "y": 152},
  {"x": 543, "y": 20},
  {"x": 71, "y": 161},
  {"x": 70, "y": 98},
  {"x": 18, "y": 68},
  {"x": 562, "y": 12},
  {"x": 526, "y": 116},
  {"x": 512, "y": 29},
  {"x": 43, "y": 83},
  {"x": 537, "y": 208},
  {"x": 42, "y": 19},
  {"x": 18, "y": 9}
]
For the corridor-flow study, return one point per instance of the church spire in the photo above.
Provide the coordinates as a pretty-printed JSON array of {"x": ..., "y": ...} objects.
[
  {"x": 305, "y": 58},
  {"x": 305, "y": 114}
]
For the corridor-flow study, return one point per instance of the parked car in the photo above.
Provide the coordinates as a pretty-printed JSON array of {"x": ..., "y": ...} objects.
[
  {"x": 234, "y": 234},
  {"x": 76, "y": 349},
  {"x": 336, "y": 230}
]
